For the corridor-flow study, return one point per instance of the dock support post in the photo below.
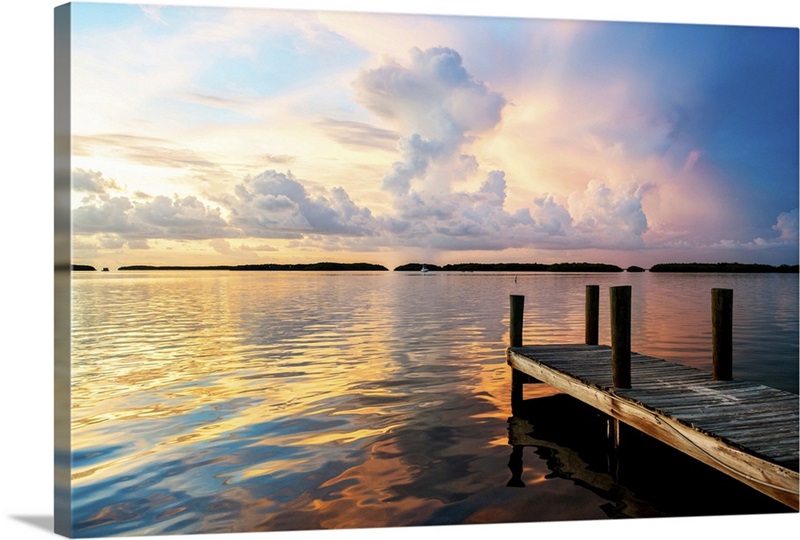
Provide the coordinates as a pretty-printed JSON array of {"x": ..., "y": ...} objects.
[
  {"x": 722, "y": 334},
  {"x": 515, "y": 339},
  {"x": 612, "y": 431},
  {"x": 620, "y": 300},
  {"x": 592, "y": 314},
  {"x": 515, "y": 324}
]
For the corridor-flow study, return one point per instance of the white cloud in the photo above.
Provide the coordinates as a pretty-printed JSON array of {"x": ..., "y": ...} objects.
[
  {"x": 597, "y": 217},
  {"x": 787, "y": 226},
  {"x": 184, "y": 218},
  {"x": 417, "y": 154},
  {"x": 553, "y": 218},
  {"x": 92, "y": 182},
  {"x": 434, "y": 96},
  {"x": 607, "y": 216},
  {"x": 276, "y": 205},
  {"x": 104, "y": 216},
  {"x": 439, "y": 109}
]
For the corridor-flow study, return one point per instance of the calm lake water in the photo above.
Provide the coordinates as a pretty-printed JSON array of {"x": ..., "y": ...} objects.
[{"x": 208, "y": 402}]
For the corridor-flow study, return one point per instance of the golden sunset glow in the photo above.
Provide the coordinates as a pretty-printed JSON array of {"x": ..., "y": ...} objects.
[{"x": 301, "y": 136}]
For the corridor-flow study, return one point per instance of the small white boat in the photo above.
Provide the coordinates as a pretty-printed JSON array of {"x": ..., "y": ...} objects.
[{"x": 424, "y": 269}]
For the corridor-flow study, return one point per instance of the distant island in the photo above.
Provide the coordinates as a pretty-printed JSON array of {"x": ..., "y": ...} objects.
[
  {"x": 600, "y": 267},
  {"x": 474, "y": 267},
  {"x": 722, "y": 267},
  {"x": 146, "y": 267},
  {"x": 729, "y": 268},
  {"x": 326, "y": 266},
  {"x": 321, "y": 266},
  {"x": 583, "y": 267},
  {"x": 83, "y": 268},
  {"x": 511, "y": 267}
]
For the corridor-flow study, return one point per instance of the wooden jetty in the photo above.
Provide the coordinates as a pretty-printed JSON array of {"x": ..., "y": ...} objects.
[{"x": 746, "y": 430}]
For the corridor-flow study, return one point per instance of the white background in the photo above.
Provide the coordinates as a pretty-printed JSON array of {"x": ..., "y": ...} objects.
[{"x": 26, "y": 210}]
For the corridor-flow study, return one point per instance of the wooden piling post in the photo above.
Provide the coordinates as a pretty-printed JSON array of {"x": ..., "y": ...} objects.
[
  {"x": 722, "y": 334},
  {"x": 592, "y": 314},
  {"x": 515, "y": 338},
  {"x": 515, "y": 324},
  {"x": 620, "y": 300},
  {"x": 612, "y": 432}
]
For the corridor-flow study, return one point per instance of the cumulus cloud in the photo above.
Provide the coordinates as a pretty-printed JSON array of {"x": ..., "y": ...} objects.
[
  {"x": 92, "y": 182},
  {"x": 104, "y": 216},
  {"x": 417, "y": 154},
  {"x": 599, "y": 216},
  {"x": 610, "y": 217},
  {"x": 276, "y": 205},
  {"x": 438, "y": 108},
  {"x": 269, "y": 205},
  {"x": 184, "y": 218},
  {"x": 433, "y": 96},
  {"x": 553, "y": 218},
  {"x": 787, "y": 226}
]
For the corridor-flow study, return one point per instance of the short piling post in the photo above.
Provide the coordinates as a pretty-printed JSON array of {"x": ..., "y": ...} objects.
[
  {"x": 620, "y": 300},
  {"x": 722, "y": 334},
  {"x": 592, "y": 314},
  {"x": 515, "y": 339}
]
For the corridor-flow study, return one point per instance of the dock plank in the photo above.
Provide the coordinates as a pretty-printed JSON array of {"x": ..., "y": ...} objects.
[{"x": 746, "y": 430}]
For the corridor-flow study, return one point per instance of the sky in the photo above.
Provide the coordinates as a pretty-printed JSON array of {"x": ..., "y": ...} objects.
[{"x": 204, "y": 135}]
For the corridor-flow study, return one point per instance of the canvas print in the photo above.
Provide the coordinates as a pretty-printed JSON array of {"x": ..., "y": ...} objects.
[{"x": 343, "y": 270}]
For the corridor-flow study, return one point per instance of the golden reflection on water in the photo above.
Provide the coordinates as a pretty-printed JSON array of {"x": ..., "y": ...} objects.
[{"x": 213, "y": 402}]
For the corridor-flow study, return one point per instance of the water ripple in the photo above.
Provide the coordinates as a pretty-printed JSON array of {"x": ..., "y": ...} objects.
[{"x": 217, "y": 402}]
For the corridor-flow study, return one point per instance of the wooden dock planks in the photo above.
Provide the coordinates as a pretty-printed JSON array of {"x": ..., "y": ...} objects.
[{"x": 746, "y": 430}]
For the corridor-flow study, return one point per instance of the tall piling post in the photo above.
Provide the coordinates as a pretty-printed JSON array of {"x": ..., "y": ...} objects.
[
  {"x": 592, "y": 311},
  {"x": 620, "y": 300},
  {"x": 515, "y": 324},
  {"x": 515, "y": 340},
  {"x": 722, "y": 334}
]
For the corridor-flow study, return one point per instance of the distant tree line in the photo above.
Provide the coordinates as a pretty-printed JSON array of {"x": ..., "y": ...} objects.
[
  {"x": 511, "y": 267},
  {"x": 327, "y": 266},
  {"x": 725, "y": 267}
]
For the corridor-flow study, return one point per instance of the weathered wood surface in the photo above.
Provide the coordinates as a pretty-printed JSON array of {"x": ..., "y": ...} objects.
[{"x": 746, "y": 430}]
